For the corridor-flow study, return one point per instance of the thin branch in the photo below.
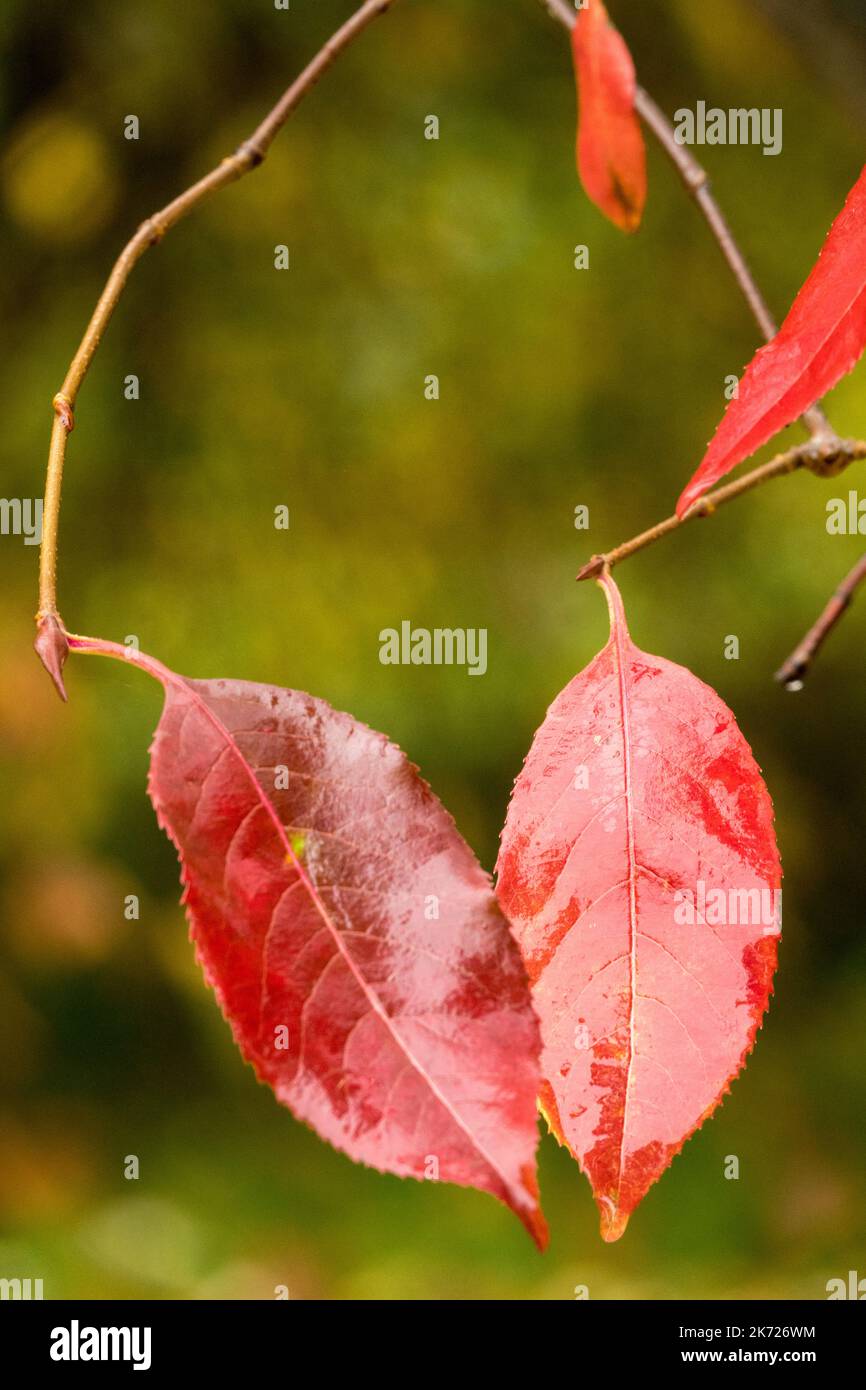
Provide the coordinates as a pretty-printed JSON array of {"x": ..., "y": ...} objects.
[
  {"x": 249, "y": 155},
  {"x": 826, "y": 454},
  {"x": 697, "y": 183},
  {"x": 826, "y": 458},
  {"x": 794, "y": 671}
]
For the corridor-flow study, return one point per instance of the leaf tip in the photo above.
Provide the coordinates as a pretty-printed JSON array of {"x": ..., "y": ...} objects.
[
  {"x": 524, "y": 1202},
  {"x": 52, "y": 648},
  {"x": 626, "y": 209},
  {"x": 613, "y": 1220},
  {"x": 533, "y": 1220}
]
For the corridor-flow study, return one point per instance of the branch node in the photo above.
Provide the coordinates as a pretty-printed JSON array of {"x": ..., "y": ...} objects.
[
  {"x": 592, "y": 568},
  {"x": 829, "y": 455},
  {"x": 62, "y": 407},
  {"x": 52, "y": 648},
  {"x": 148, "y": 234},
  {"x": 250, "y": 154},
  {"x": 695, "y": 178},
  {"x": 153, "y": 230}
]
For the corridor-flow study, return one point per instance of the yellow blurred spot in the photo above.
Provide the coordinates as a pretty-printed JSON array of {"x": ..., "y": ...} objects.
[
  {"x": 57, "y": 178},
  {"x": 149, "y": 1239}
]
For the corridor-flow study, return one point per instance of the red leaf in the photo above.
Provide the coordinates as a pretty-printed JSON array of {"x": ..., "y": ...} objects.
[
  {"x": 611, "y": 158},
  {"x": 314, "y": 860},
  {"x": 638, "y": 789},
  {"x": 821, "y": 339}
]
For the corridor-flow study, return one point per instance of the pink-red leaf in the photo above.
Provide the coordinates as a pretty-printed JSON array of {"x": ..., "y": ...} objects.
[
  {"x": 611, "y": 158},
  {"x": 640, "y": 797},
  {"x": 351, "y": 938},
  {"x": 821, "y": 339}
]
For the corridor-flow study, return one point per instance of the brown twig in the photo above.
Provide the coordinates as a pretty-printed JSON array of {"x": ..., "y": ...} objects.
[
  {"x": 794, "y": 671},
  {"x": 825, "y": 454},
  {"x": 823, "y": 457},
  {"x": 249, "y": 155},
  {"x": 697, "y": 183}
]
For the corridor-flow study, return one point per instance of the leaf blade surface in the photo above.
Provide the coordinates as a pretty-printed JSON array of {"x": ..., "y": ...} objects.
[
  {"x": 820, "y": 341},
  {"x": 611, "y": 157},
  {"x": 311, "y": 851},
  {"x": 637, "y": 789}
]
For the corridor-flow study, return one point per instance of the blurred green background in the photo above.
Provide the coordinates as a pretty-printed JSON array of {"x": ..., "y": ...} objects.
[{"x": 306, "y": 388}]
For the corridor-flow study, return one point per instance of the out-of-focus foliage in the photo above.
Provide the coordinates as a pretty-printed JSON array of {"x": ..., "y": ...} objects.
[{"x": 306, "y": 388}]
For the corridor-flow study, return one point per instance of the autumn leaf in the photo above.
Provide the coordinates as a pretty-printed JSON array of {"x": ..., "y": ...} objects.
[
  {"x": 352, "y": 940},
  {"x": 611, "y": 158},
  {"x": 821, "y": 339},
  {"x": 639, "y": 869}
]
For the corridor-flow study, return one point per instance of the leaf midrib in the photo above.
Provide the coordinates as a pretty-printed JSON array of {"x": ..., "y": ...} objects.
[{"x": 376, "y": 1005}]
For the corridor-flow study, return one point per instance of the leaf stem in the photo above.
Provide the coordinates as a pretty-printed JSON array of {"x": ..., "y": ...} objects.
[
  {"x": 99, "y": 646},
  {"x": 825, "y": 458},
  {"x": 825, "y": 454},
  {"x": 249, "y": 155}
]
